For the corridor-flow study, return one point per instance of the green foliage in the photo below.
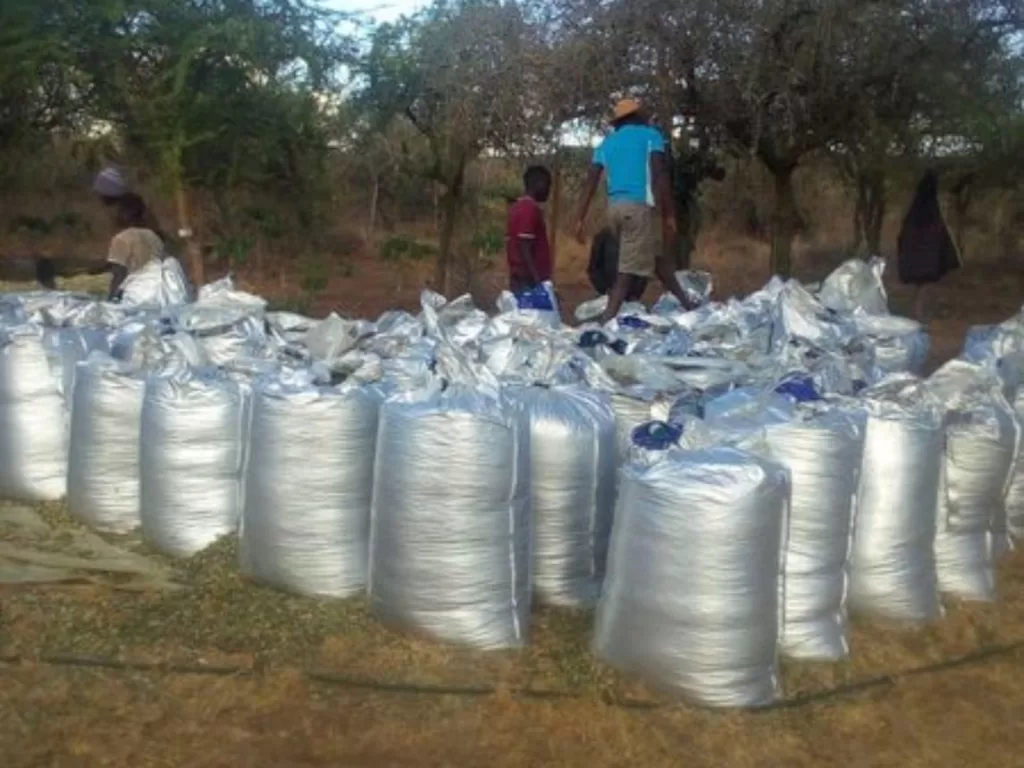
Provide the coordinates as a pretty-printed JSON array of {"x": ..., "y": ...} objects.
[
  {"x": 401, "y": 250},
  {"x": 66, "y": 221},
  {"x": 208, "y": 94},
  {"x": 235, "y": 250},
  {"x": 316, "y": 275},
  {"x": 489, "y": 242}
]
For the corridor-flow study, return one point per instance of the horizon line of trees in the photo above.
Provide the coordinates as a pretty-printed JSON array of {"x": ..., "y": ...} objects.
[{"x": 217, "y": 96}]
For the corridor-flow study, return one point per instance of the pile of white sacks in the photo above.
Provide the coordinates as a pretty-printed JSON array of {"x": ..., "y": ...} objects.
[{"x": 454, "y": 465}]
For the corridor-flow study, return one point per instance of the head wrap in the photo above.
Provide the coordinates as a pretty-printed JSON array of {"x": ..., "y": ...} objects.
[{"x": 110, "y": 183}]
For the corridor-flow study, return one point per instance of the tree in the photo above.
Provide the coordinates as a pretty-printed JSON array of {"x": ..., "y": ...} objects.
[
  {"x": 211, "y": 94},
  {"x": 785, "y": 79},
  {"x": 464, "y": 75},
  {"x": 41, "y": 89},
  {"x": 927, "y": 77}
]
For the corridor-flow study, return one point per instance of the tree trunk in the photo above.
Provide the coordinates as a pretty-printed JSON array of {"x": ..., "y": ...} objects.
[
  {"x": 687, "y": 215},
  {"x": 193, "y": 253},
  {"x": 451, "y": 205},
  {"x": 371, "y": 225},
  {"x": 962, "y": 197},
  {"x": 869, "y": 213},
  {"x": 784, "y": 221}
]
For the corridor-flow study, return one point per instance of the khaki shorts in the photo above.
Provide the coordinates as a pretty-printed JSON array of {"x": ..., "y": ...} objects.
[{"x": 638, "y": 238}]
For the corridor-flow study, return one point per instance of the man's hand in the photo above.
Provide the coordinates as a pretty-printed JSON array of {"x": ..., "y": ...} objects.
[{"x": 581, "y": 232}]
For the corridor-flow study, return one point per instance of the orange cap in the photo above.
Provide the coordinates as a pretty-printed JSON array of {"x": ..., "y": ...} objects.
[{"x": 625, "y": 108}]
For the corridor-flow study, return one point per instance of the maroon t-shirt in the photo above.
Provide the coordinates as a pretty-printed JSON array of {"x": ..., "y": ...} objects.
[{"x": 526, "y": 222}]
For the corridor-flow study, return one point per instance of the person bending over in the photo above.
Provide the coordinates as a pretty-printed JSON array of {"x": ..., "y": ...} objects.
[{"x": 134, "y": 245}]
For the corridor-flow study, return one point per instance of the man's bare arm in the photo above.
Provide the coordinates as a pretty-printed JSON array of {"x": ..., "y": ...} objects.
[{"x": 118, "y": 274}]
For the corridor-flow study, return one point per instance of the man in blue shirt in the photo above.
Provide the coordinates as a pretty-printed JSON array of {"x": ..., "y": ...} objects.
[{"x": 633, "y": 156}]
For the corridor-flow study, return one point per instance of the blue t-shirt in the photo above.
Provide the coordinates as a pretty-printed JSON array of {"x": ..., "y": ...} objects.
[{"x": 626, "y": 158}]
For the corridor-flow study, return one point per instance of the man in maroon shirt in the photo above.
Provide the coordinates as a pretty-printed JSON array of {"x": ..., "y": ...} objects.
[{"x": 526, "y": 236}]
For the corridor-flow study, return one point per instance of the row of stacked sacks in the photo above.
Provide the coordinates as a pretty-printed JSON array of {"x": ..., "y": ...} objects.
[
  {"x": 761, "y": 529},
  {"x": 454, "y": 464}
]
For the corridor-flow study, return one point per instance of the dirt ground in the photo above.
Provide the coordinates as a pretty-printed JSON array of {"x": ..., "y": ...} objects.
[
  {"x": 268, "y": 713},
  {"x": 550, "y": 704}
]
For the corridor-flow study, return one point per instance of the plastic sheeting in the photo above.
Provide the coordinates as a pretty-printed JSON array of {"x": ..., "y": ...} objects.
[
  {"x": 900, "y": 344},
  {"x": 591, "y": 309},
  {"x": 535, "y": 306},
  {"x": 697, "y": 287},
  {"x": 103, "y": 456},
  {"x": 222, "y": 294},
  {"x": 450, "y": 531},
  {"x": 981, "y": 445},
  {"x": 70, "y": 346},
  {"x": 691, "y": 598},
  {"x": 194, "y": 432},
  {"x": 226, "y": 333},
  {"x": 33, "y": 416},
  {"x": 150, "y": 343},
  {"x": 289, "y": 326},
  {"x": 856, "y": 284},
  {"x": 892, "y": 567},
  {"x": 572, "y": 482},
  {"x": 631, "y": 412},
  {"x": 306, "y": 524},
  {"x": 801, "y": 317}
]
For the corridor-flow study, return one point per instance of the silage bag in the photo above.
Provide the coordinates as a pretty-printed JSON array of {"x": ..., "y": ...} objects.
[
  {"x": 33, "y": 415},
  {"x": 309, "y": 480},
  {"x": 572, "y": 485},
  {"x": 892, "y": 567},
  {"x": 981, "y": 445},
  {"x": 1015, "y": 491},
  {"x": 856, "y": 284},
  {"x": 159, "y": 283},
  {"x": 193, "y": 446},
  {"x": 532, "y": 306},
  {"x": 690, "y": 602},
  {"x": 450, "y": 530},
  {"x": 820, "y": 446},
  {"x": 103, "y": 456}
]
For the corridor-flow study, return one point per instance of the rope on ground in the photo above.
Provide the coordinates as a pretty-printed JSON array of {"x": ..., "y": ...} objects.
[{"x": 433, "y": 689}]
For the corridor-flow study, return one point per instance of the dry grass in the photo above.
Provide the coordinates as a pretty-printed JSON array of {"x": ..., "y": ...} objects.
[
  {"x": 967, "y": 716},
  {"x": 58, "y": 715}
]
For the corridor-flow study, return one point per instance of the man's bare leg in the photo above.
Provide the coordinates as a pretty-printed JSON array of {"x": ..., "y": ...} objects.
[
  {"x": 617, "y": 297},
  {"x": 663, "y": 268}
]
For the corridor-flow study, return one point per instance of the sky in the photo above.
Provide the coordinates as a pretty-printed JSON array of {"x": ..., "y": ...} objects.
[{"x": 380, "y": 10}]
